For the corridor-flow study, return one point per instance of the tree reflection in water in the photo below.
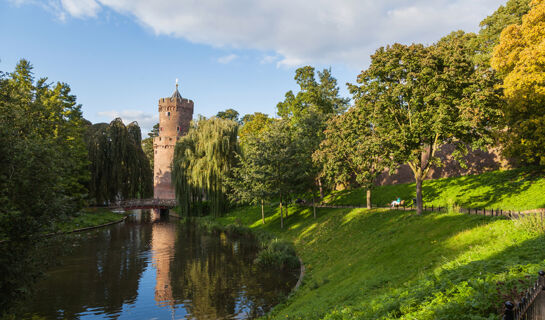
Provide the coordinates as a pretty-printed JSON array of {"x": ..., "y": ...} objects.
[{"x": 152, "y": 267}]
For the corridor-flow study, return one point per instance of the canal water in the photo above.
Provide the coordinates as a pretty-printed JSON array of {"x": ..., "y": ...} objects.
[{"x": 152, "y": 267}]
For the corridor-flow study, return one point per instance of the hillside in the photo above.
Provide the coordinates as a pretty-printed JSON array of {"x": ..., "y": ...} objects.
[
  {"x": 382, "y": 264},
  {"x": 520, "y": 189}
]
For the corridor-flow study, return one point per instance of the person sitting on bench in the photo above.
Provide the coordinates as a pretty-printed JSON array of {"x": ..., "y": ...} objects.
[{"x": 396, "y": 203}]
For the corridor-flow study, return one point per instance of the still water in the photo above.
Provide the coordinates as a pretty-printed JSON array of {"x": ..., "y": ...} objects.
[{"x": 152, "y": 267}]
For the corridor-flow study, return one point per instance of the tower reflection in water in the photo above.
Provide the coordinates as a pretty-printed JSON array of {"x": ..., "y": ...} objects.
[
  {"x": 155, "y": 267},
  {"x": 163, "y": 237}
]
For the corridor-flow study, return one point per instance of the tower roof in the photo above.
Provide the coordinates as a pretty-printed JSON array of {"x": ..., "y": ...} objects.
[{"x": 176, "y": 95}]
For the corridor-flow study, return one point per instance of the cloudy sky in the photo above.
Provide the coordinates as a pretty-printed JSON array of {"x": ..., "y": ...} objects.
[{"x": 120, "y": 56}]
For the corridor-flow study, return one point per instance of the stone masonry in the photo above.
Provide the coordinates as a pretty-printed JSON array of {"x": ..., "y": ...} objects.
[{"x": 175, "y": 114}]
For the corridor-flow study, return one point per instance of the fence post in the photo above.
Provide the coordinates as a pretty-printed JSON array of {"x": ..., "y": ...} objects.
[
  {"x": 509, "y": 314},
  {"x": 542, "y": 279},
  {"x": 432, "y": 208}
]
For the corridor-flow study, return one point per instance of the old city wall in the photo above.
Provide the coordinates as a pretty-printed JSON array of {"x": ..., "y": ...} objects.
[{"x": 477, "y": 161}]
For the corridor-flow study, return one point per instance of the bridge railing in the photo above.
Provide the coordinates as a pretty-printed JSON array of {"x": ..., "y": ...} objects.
[{"x": 135, "y": 203}]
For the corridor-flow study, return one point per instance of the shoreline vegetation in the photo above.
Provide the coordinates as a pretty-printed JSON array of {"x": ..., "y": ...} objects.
[
  {"x": 383, "y": 264},
  {"x": 88, "y": 218}
]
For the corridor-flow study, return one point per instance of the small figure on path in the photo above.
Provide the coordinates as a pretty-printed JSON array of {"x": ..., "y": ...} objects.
[{"x": 395, "y": 203}]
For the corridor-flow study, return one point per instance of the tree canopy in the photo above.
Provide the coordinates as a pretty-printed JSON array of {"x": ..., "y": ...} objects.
[
  {"x": 202, "y": 161},
  {"x": 520, "y": 60}
]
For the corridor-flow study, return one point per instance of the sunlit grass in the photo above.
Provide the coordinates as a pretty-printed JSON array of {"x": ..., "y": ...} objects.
[
  {"x": 519, "y": 189},
  {"x": 382, "y": 264}
]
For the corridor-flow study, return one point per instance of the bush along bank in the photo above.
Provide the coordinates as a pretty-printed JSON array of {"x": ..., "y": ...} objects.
[{"x": 273, "y": 252}]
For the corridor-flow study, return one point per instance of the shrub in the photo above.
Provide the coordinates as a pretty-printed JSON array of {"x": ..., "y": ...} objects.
[{"x": 278, "y": 253}]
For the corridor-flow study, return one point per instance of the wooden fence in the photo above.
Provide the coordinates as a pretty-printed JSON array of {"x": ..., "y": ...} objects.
[
  {"x": 491, "y": 212},
  {"x": 532, "y": 304}
]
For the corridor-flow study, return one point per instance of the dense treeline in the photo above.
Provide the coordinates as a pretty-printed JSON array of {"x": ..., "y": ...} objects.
[
  {"x": 470, "y": 90},
  {"x": 53, "y": 163},
  {"x": 43, "y": 172}
]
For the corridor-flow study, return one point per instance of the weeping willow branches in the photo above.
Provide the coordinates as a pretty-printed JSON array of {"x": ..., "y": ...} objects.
[
  {"x": 119, "y": 168},
  {"x": 202, "y": 160}
]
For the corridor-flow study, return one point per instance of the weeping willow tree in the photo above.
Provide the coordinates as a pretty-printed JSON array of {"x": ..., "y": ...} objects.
[
  {"x": 119, "y": 167},
  {"x": 202, "y": 160}
]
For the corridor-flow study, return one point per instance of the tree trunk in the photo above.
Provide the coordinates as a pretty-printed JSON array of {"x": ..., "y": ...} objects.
[
  {"x": 262, "y": 212},
  {"x": 369, "y": 198},
  {"x": 321, "y": 189},
  {"x": 314, "y": 205},
  {"x": 281, "y": 215},
  {"x": 419, "y": 204}
]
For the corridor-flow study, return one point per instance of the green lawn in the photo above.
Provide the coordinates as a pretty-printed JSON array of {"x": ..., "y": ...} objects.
[
  {"x": 382, "y": 264},
  {"x": 519, "y": 189},
  {"x": 89, "y": 217}
]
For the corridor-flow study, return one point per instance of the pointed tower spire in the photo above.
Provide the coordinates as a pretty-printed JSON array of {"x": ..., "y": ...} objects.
[{"x": 176, "y": 94}]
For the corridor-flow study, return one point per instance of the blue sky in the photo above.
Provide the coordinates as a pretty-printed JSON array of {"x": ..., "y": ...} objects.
[{"x": 121, "y": 56}]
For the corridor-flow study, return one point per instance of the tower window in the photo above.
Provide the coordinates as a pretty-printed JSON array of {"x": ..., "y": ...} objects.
[
  {"x": 178, "y": 129},
  {"x": 168, "y": 114}
]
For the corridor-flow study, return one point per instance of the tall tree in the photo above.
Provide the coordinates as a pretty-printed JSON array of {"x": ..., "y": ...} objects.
[
  {"x": 307, "y": 112},
  {"x": 520, "y": 61},
  {"x": 422, "y": 97},
  {"x": 119, "y": 167},
  {"x": 202, "y": 161},
  {"x": 352, "y": 150}
]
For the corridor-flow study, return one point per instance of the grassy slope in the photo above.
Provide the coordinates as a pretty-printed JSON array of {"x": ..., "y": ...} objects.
[
  {"x": 89, "y": 217},
  {"x": 510, "y": 190},
  {"x": 388, "y": 264}
]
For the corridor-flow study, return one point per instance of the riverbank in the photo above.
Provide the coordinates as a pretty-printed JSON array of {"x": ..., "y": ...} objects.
[
  {"x": 89, "y": 218},
  {"x": 383, "y": 264}
]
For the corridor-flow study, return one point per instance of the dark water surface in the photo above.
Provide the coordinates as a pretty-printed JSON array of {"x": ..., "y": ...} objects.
[{"x": 156, "y": 268}]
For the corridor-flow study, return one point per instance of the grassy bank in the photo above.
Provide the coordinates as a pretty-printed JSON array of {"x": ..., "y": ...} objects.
[
  {"x": 88, "y": 217},
  {"x": 519, "y": 189},
  {"x": 380, "y": 264}
]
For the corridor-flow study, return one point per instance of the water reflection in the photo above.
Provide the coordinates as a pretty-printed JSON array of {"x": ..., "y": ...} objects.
[{"x": 150, "y": 267}]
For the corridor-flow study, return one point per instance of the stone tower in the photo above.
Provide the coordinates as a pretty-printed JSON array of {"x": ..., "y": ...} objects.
[{"x": 175, "y": 114}]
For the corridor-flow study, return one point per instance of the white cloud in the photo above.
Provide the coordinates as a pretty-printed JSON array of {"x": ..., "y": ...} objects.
[
  {"x": 299, "y": 31},
  {"x": 145, "y": 120},
  {"x": 226, "y": 59},
  {"x": 81, "y": 8}
]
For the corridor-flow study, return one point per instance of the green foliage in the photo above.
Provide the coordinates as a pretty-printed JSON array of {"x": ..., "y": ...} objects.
[
  {"x": 43, "y": 171},
  {"x": 321, "y": 96},
  {"x": 253, "y": 125},
  {"x": 493, "y": 25},
  {"x": 351, "y": 150},
  {"x": 203, "y": 159},
  {"x": 381, "y": 264},
  {"x": 147, "y": 144},
  {"x": 229, "y": 114},
  {"x": 119, "y": 167},
  {"x": 519, "y": 189},
  {"x": 88, "y": 217},
  {"x": 278, "y": 254}
]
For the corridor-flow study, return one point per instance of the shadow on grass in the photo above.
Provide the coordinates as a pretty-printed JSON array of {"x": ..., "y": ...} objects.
[{"x": 469, "y": 291}]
